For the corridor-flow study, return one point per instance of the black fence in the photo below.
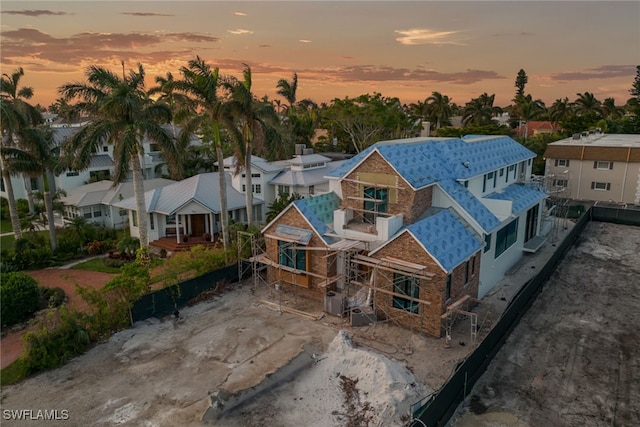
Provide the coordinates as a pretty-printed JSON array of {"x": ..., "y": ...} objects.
[
  {"x": 164, "y": 301},
  {"x": 617, "y": 214},
  {"x": 439, "y": 407}
]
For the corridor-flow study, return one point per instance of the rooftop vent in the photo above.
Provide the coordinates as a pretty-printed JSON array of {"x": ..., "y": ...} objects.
[
  {"x": 585, "y": 133},
  {"x": 576, "y": 136},
  {"x": 306, "y": 151}
]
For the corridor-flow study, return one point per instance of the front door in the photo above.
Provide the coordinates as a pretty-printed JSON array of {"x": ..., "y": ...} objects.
[{"x": 197, "y": 224}]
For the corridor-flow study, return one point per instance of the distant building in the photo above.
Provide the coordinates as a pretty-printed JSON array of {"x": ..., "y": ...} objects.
[
  {"x": 595, "y": 166},
  {"x": 534, "y": 128}
]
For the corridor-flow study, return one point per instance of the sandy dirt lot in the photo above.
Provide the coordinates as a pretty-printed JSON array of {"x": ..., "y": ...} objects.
[
  {"x": 320, "y": 373},
  {"x": 574, "y": 359}
]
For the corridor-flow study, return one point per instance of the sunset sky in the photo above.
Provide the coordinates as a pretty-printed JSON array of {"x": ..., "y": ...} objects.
[{"x": 399, "y": 49}]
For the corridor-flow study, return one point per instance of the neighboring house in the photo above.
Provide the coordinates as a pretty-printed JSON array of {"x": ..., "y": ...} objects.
[
  {"x": 262, "y": 172},
  {"x": 595, "y": 166},
  {"x": 304, "y": 175},
  {"x": 95, "y": 201},
  {"x": 101, "y": 166},
  {"x": 425, "y": 224},
  {"x": 534, "y": 128},
  {"x": 190, "y": 207}
]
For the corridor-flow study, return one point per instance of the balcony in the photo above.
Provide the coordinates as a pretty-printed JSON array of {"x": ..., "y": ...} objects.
[{"x": 364, "y": 226}]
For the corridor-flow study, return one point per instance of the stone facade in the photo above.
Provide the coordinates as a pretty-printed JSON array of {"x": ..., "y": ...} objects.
[
  {"x": 428, "y": 319},
  {"x": 317, "y": 261},
  {"x": 406, "y": 201}
]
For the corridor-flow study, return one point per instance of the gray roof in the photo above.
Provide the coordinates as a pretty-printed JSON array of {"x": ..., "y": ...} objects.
[
  {"x": 101, "y": 161},
  {"x": 305, "y": 178},
  {"x": 106, "y": 192},
  {"x": 202, "y": 188},
  {"x": 306, "y": 159},
  {"x": 256, "y": 162}
]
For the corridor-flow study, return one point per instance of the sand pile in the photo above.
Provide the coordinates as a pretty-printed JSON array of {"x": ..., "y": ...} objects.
[{"x": 350, "y": 384}]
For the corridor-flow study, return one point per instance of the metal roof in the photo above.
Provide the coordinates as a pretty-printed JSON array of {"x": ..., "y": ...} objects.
[
  {"x": 202, "y": 188},
  {"x": 305, "y": 178},
  {"x": 101, "y": 161},
  {"x": 107, "y": 192},
  {"x": 445, "y": 238},
  {"x": 257, "y": 162}
]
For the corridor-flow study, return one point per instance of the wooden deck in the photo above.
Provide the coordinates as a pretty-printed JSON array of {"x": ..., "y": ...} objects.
[{"x": 169, "y": 243}]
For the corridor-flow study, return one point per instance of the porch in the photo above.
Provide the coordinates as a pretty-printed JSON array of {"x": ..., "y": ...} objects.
[{"x": 171, "y": 244}]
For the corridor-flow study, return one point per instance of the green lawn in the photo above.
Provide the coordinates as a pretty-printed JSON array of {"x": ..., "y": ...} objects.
[
  {"x": 5, "y": 226},
  {"x": 7, "y": 242},
  {"x": 96, "y": 264}
]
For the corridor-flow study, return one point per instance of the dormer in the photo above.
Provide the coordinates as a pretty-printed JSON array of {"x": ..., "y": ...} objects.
[{"x": 308, "y": 162}]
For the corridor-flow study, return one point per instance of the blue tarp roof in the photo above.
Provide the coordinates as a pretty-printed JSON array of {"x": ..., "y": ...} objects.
[
  {"x": 318, "y": 210},
  {"x": 446, "y": 239},
  {"x": 521, "y": 195},
  {"x": 483, "y": 216}
]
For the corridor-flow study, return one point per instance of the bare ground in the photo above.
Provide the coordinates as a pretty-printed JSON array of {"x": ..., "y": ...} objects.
[
  {"x": 574, "y": 359},
  {"x": 161, "y": 372}
]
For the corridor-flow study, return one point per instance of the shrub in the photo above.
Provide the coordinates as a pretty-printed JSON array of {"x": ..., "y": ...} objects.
[
  {"x": 19, "y": 297},
  {"x": 51, "y": 297},
  {"x": 115, "y": 262},
  {"x": 96, "y": 247},
  {"x": 55, "y": 339}
]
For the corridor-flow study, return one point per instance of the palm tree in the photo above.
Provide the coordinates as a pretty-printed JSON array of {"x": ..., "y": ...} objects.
[
  {"x": 439, "y": 108},
  {"x": 255, "y": 119},
  {"x": 123, "y": 115},
  {"x": 287, "y": 89},
  {"x": 560, "y": 110},
  {"x": 16, "y": 115},
  {"x": 610, "y": 110},
  {"x": 209, "y": 114},
  {"x": 529, "y": 109},
  {"x": 168, "y": 93},
  {"x": 38, "y": 155},
  {"x": 587, "y": 104},
  {"x": 480, "y": 111}
]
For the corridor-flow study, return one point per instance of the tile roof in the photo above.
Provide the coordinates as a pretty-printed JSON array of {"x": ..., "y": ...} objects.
[
  {"x": 445, "y": 238},
  {"x": 522, "y": 196},
  {"x": 318, "y": 210}
]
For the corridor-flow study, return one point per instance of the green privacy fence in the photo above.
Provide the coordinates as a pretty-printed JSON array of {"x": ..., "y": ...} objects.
[
  {"x": 164, "y": 301},
  {"x": 617, "y": 214},
  {"x": 437, "y": 409}
]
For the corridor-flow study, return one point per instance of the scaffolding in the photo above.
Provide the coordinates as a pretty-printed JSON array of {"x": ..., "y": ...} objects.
[{"x": 455, "y": 311}]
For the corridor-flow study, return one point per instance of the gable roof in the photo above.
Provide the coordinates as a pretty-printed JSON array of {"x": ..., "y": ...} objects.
[
  {"x": 318, "y": 211},
  {"x": 256, "y": 162},
  {"x": 521, "y": 195},
  {"x": 202, "y": 188},
  {"x": 444, "y": 237},
  {"x": 423, "y": 161},
  {"x": 467, "y": 201},
  {"x": 307, "y": 177},
  {"x": 106, "y": 192}
]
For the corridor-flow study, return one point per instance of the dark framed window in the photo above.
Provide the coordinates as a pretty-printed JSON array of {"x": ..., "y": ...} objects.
[
  {"x": 506, "y": 237},
  {"x": 408, "y": 286},
  {"x": 376, "y": 201},
  {"x": 152, "y": 223},
  {"x": 487, "y": 241},
  {"x": 447, "y": 288},
  {"x": 291, "y": 257}
]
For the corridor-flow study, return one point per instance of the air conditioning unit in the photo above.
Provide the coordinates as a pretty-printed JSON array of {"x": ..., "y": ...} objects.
[
  {"x": 334, "y": 303},
  {"x": 362, "y": 316}
]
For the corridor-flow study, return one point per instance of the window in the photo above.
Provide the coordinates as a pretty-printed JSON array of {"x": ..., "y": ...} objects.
[
  {"x": 513, "y": 168},
  {"x": 466, "y": 271},
  {"x": 501, "y": 172},
  {"x": 529, "y": 162},
  {"x": 491, "y": 176},
  {"x": 154, "y": 147},
  {"x": 466, "y": 184},
  {"x": 284, "y": 189},
  {"x": 487, "y": 242},
  {"x": 562, "y": 162},
  {"x": 408, "y": 286},
  {"x": 134, "y": 217},
  {"x": 506, "y": 237},
  {"x": 473, "y": 265},
  {"x": 311, "y": 190},
  {"x": 447, "y": 288},
  {"x": 376, "y": 200},
  {"x": 73, "y": 173},
  {"x": 97, "y": 211},
  {"x": 255, "y": 175},
  {"x": 601, "y": 186},
  {"x": 152, "y": 223},
  {"x": 170, "y": 220},
  {"x": 105, "y": 149},
  {"x": 289, "y": 256},
  {"x": 559, "y": 182},
  {"x": 603, "y": 165},
  {"x": 34, "y": 184},
  {"x": 86, "y": 212},
  {"x": 257, "y": 188},
  {"x": 244, "y": 188}
]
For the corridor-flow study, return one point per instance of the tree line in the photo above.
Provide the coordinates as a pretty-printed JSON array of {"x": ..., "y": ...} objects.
[{"x": 224, "y": 112}]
